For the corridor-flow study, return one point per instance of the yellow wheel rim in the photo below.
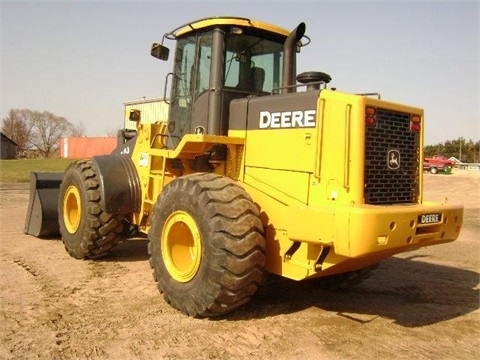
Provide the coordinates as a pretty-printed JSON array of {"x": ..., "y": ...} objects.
[
  {"x": 72, "y": 206},
  {"x": 181, "y": 246}
]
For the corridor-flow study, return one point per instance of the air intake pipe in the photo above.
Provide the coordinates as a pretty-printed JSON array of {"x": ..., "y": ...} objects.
[{"x": 289, "y": 50}]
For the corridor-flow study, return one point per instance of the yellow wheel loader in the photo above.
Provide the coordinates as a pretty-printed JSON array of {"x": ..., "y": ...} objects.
[{"x": 256, "y": 170}]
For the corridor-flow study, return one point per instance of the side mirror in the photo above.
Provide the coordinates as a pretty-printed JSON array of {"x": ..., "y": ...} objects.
[{"x": 159, "y": 51}]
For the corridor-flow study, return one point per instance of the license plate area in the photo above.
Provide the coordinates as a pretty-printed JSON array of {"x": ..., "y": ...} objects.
[{"x": 427, "y": 219}]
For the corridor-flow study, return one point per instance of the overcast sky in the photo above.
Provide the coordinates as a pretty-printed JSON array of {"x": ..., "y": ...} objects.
[{"x": 84, "y": 59}]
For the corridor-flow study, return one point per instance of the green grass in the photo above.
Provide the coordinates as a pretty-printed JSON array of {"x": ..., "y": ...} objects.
[{"x": 19, "y": 170}]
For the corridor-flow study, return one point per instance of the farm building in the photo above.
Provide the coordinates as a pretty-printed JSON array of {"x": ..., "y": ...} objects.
[
  {"x": 151, "y": 110},
  {"x": 8, "y": 148}
]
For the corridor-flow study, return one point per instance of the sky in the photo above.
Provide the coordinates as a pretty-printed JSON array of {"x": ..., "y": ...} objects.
[{"x": 84, "y": 59}]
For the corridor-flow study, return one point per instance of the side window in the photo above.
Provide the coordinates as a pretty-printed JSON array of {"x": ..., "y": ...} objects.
[
  {"x": 204, "y": 62},
  {"x": 192, "y": 77},
  {"x": 182, "y": 91},
  {"x": 231, "y": 69},
  {"x": 253, "y": 64},
  {"x": 183, "y": 65},
  {"x": 271, "y": 63}
]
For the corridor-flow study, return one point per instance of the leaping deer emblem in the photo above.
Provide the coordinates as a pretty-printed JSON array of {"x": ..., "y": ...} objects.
[{"x": 393, "y": 159}]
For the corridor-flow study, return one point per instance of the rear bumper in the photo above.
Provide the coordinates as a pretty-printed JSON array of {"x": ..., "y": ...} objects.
[
  {"x": 365, "y": 230},
  {"x": 397, "y": 228}
]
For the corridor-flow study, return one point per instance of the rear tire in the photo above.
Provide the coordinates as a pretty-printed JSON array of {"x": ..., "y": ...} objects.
[
  {"x": 87, "y": 231},
  {"x": 206, "y": 245},
  {"x": 433, "y": 170}
]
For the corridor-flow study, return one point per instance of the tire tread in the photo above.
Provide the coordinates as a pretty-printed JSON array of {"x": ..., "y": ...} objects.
[{"x": 102, "y": 231}]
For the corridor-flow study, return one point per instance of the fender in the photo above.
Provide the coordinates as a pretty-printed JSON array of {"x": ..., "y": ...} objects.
[
  {"x": 126, "y": 140},
  {"x": 119, "y": 184}
]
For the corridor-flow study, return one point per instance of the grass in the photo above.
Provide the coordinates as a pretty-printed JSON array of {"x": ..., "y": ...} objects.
[{"x": 19, "y": 170}]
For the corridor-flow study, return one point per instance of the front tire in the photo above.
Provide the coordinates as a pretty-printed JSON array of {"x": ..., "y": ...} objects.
[
  {"x": 206, "y": 245},
  {"x": 87, "y": 231}
]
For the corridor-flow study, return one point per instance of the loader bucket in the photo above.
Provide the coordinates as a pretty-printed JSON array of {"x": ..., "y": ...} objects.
[{"x": 42, "y": 215}]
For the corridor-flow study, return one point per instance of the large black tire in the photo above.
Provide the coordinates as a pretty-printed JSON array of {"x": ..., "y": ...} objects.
[
  {"x": 206, "y": 247},
  {"x": 87, "y": 231}
]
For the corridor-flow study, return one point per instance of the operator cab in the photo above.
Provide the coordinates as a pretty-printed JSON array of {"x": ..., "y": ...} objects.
[{"x": 218, "y": 60}]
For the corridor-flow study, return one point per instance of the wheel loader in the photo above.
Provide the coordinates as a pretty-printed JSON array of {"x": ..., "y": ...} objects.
[{"x": 257, "y": 170}]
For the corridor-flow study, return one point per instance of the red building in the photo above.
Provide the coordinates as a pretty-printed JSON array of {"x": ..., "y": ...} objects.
[{"x": 86, "y": 147}]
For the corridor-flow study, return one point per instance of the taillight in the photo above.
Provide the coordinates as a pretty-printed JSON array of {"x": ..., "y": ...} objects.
[
  {"x": 370, "y": 118},
  {"x": 415, "y": 124}
]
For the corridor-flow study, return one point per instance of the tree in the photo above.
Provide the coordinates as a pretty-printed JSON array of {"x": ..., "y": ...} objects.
[
  {"x": 41, "y": 131},
  {"x": 465, "y": 151},
  {"x": 79, "y": 130},
  {"x": 47, "y": 129},
  {"x": 15, "y": 126}
]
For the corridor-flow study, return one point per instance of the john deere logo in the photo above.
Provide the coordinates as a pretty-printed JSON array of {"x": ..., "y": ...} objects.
[{"x": 393, "y": 159}]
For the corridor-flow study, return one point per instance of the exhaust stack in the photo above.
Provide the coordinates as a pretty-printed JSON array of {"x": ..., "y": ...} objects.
[{"x": 289, "y": 49}]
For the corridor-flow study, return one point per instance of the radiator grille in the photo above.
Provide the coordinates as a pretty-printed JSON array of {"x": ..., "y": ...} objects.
[{"x": 391, "y": 160}]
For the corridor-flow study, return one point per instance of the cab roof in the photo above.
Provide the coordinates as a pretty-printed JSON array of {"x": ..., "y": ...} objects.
[{"x": 225, "y": 21}]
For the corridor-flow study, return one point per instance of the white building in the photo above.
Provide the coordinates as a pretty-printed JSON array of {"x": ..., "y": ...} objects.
[{"x": 151, "y": 111}]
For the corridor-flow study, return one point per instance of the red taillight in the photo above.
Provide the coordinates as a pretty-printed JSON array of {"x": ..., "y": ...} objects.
[
  {"x": 415, "y": 123},
  {"x": 370, "y": 119}
]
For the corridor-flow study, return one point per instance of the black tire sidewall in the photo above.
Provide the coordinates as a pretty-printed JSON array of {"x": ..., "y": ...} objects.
[
  {"x": 73, "y": 242},
  {"x": 198, "y": 290}
]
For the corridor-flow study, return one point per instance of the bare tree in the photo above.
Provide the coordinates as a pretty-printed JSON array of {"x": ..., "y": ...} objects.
[
  {"x": 15, "y": 126},
  {"x": 79, "y": 130},
  {"x": 40, "y": 131},
  {"x": 47, "y": 129}
]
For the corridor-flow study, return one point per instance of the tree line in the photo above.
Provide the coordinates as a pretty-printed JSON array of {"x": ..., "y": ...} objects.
[
  {"x": 38, "y": 132},
  {"x": 465, "y": 151}
]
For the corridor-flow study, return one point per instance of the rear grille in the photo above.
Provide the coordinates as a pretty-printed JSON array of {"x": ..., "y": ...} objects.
[{"x": 392, "y": 159}]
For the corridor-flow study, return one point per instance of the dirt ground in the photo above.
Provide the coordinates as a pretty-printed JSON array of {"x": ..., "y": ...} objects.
[{"x": 418, "y": 305}]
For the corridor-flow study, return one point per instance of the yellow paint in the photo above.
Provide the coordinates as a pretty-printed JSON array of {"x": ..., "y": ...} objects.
[
  {"x": 308, "y": 184},
  {"x": 231, "y": 21},
  {"x": 181, "y": 245},
  {"x": 72, "y": 208}
]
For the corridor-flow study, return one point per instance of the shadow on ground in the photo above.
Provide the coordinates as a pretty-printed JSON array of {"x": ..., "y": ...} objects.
[{"x": 411, "y": 292}]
